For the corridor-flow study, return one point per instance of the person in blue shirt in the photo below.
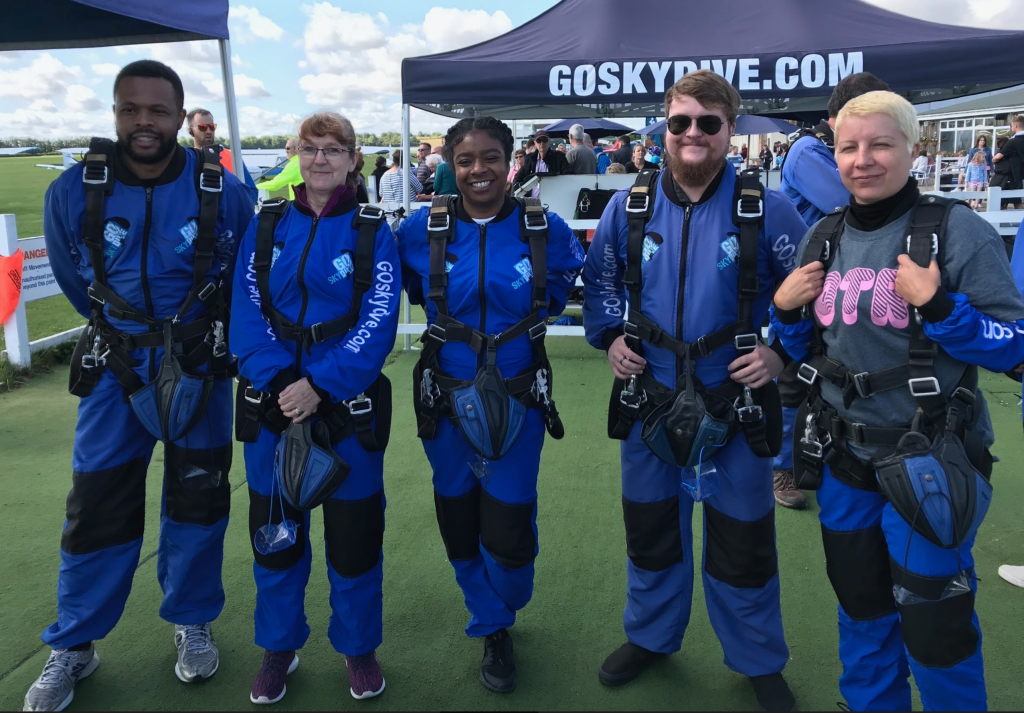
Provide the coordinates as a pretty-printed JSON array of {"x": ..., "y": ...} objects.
[
  {"x": 811, "y": 180},
  {"x": 690, "y": 289},
  {"x": 153, "y": 286},
  {"x": 487, "y": 302},
  {"x": 981, "y": 146},
  {"x": 202, "y": 128},
  {"x": 314, "y": 278}
]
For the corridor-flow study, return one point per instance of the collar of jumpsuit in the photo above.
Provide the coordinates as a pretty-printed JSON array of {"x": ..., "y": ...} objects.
[
  {"x": 341, "y": 201},
  {"x": 124, "y": 175}
]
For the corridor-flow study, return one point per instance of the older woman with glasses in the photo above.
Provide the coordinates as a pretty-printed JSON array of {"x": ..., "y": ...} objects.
[{"x": 314, "y": 315}]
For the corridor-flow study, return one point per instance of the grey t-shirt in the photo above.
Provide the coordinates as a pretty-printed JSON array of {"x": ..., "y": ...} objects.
[
  {"x": 866, "y": 322},
  {"x": 581, "y": 160}
]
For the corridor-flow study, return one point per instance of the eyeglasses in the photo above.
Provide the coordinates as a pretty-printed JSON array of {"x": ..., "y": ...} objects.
[
  {"x": 708, "y": 124},
  {"x": 206, "y": 127},
  {"x": 331, "y": 153}
]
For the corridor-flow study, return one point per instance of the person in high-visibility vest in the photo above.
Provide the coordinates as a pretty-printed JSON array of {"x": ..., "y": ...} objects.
[
  {"x": 202, "y": 129},
  {"x": 289, "y": 175}
]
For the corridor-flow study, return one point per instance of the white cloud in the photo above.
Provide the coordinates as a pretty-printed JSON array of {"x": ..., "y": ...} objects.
[
  {"x": 106, "y": 69},
  {"x": 989, "y": 14},
  {"x": 82, "y": 99},
  {"x": 253, "y": 121},
  {"x": 41, "y": 120},
  {"x": 447, "y": 28},
  {"x": 249, "y": 24},
  {"x": 45, "y": 77}
]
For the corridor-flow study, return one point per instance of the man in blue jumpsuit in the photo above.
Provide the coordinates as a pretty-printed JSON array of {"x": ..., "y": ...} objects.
[
  {"x": 690, "y": 289},
  {"x": 811, "y": 180},
  {"x": 149, "y": 225}
]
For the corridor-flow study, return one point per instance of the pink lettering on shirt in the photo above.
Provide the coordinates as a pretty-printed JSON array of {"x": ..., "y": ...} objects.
[
  {"x": 854, "y": 282},
  {"x": 887, "y": 307},
  {"x": 825, "y": 305}
]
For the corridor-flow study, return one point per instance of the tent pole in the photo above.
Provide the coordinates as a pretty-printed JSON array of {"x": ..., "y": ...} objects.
[
  {"x": 232, "y": 107},
  {"x": 406, "y": 200}
]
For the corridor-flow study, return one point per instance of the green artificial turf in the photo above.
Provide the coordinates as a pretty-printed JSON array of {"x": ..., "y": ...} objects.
[{"x": 573, "y": 622}]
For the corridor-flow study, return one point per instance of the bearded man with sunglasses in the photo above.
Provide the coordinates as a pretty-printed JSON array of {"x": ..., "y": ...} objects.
[
  {"x": 687, "y": 302},
  {"x": 202, "y": 128}
]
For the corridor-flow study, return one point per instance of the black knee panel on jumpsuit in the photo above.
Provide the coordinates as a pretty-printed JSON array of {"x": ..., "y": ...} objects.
[
  {"x": 506, "y": 531},
  {"x": 105, "y": 508},
  {"x": 261, "y": 511},
  {"x": 354, "y": 533},
  {"x": 938, "y": 632},
  {"x": 192, "y": 506},
  {"x": 740, "y": 553},
  {"x": 653, "y": 539},
  {"x": 857, "y": 563},
  {"x": 459, "y": 521}
]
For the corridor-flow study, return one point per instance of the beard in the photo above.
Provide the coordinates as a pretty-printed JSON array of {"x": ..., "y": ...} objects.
[
  {"x": 695, "y": 173},
  {"x": 164, "y": 148}
]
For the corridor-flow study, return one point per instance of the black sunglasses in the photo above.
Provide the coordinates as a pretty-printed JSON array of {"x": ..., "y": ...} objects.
[{"x": 708, "y": 124}]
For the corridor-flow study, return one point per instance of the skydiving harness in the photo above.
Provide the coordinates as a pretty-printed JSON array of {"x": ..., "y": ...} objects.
[
  {"x": 257, "y": 408},
  {"x": 688, "y": 424},
  {"x": 489, "y": 409},
  {"x": 942, "y": 427},
  {"x": 819, "y": 132},
  {"x": 170, "y": 405}
]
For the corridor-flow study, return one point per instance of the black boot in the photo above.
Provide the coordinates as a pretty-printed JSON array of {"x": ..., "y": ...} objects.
[
  {"x": 498, "y": 670},
  {"x": 625, "y": 664},
  {"x": 773, "y": 693}
]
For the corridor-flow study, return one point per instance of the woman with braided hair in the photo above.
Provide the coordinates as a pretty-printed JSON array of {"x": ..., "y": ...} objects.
[{"x": 489, "y": 270}]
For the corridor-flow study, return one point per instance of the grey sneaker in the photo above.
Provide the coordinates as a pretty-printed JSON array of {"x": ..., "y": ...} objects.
[
  {"x": 198, "y": 657},
  {"x": 55, "y": 687}
]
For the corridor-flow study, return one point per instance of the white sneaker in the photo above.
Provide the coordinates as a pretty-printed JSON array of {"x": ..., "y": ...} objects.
[
  {"x": 55, "y": 687},
  {"x": 1012, "y": 574},
  {"x": 198, "y": 656}
]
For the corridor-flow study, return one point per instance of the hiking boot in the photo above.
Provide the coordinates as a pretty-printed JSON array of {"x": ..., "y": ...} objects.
[
  {"x": 498, "y": 670},
  {"x": 773, "y": 693},
  {"x": 198, "y": 656},
  {"x": 786, "y": 493},
  {"x": 626, "y": 663},
  {"x": 365, "y": 679},
  {"x": 269, "y": 684},
  {"x": 55, "y": 687}
]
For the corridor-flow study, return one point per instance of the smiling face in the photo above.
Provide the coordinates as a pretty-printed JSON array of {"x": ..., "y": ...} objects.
[
  {"x": 147, "y": 118},
  {"x": 480, "y": 168},
  {"x": 695, "y": 156},
  {"x": 874, "y": 157},
  {"x": 320, "y": 173}
]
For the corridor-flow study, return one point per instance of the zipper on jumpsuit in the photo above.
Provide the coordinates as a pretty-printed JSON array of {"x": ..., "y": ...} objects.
[
  {"x": 481, "y": 277},
  {"x": 300, "y": 278},
  {"x": 144, "y": 273},
  {"x": 680, "y": 297}
]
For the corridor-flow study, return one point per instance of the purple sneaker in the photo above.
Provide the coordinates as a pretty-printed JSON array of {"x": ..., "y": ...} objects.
[
  {"x": 269, "y": 684},
  {"x": 364, "y": 677}
]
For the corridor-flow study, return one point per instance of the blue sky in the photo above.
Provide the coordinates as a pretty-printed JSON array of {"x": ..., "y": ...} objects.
[{"x": 291, "y": 60}]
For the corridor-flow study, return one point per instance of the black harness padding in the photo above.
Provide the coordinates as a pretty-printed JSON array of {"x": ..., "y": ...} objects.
[
  {"x": 636, "y": 400},
  {"x": 102, "y": 346},
  {"x": 823, "y": 426},
  {"x": 368, "y": 415},
  {"x": 432, "y": 388}
]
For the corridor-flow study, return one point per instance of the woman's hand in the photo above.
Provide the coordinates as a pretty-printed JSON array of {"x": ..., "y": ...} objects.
[
  {"x": 756, "y": 368},
  {"x": 802, "y": 286},
  {"x": 624, "y": 361},
  {"x": 298, "y": 401},
  {"x": 916, "y": 284}
]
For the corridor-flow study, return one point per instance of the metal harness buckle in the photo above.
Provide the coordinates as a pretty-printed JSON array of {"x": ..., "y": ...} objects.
[
  {"x": 433, "y": 221},
  {"x": 539, "y": 390},
  {"x": 220, "y": 346},
  {"x": 749, "y": 412},
  {"x": 860, "y": 384},
  {"x": 630, "y": 208},
  {"x": 360, "y": 405},
  {"x": 746, "y": 342},
  {"x": 436, "y": 332},
  {"x": 257, "y": 398},
  {"x": 210, "y": 188},
  {"x": 742, "y": 214},
  {"x": 925, "y": 382},
  {"x": 807, "y": 374},
  {"x": 90, "y": 168},
  {"x": 632, "y": 397},
  {"x": 538, "y": 331},
  {"x": 531, "y": 221},
  {"x": 371, "y": 212},
  {"x": 429, "y": 391},
  {"x": 810, "y": 445}
]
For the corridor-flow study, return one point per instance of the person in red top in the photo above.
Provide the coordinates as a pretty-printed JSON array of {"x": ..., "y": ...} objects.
[{"x": 202, "y": 129}]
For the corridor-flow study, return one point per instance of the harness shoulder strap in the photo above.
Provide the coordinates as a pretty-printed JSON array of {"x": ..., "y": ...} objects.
[
  {"x": 639, "y": 209},
  {"x": 98, "y": 178},
  {"x": 367, "y": 222},
  {"x": 748, "y": 215},
  {"x": 440, "y": 231},
  {"x": 270, "y": 212},
  {"x": 209, "y": 186},
  {"x": 533, "y": 229}
]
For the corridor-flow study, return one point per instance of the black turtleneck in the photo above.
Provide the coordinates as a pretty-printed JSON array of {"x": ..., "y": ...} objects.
[{"x": 879, "y": 214}]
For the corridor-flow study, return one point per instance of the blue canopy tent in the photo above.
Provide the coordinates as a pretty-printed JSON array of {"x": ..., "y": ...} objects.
[
  {"x": 595, "y": 127},
  {"x": 745, "y": 124},
  {"x": 57, "y": 24}
]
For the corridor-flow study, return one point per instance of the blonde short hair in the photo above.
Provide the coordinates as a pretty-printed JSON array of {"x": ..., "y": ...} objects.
[
  {"x": 893, "y": 105},
  {"x": 615, "y": 168}
]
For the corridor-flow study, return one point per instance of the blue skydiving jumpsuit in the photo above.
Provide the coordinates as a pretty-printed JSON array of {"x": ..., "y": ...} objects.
[
  {"x": 311, "y": 282},
  {"x": 869, "y": 546},
  {"x": 810, "y": 178},
  {"x": 149, "y": 227},
  {"x": 489, "y": 524},
  {"x": 740, "y": 564}
]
